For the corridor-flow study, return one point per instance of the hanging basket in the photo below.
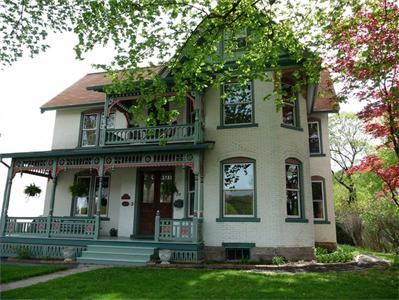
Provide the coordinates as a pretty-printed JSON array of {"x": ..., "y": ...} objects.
[{"x": 32, "y": 190}]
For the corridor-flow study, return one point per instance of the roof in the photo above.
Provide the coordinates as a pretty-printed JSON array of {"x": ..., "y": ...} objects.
[
  {"x": 325, "y": 100},
  {"x": 78, "y": 93}
]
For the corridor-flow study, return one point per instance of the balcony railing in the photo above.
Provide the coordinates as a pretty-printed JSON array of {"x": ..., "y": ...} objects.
[
  {"x": 154, "y": 134},
  {"x": 179, "y": 230},
  {"x": 50, "y": 226}
]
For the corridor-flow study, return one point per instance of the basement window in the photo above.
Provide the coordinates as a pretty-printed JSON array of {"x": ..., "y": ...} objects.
[{"x": 237, "y": 253}]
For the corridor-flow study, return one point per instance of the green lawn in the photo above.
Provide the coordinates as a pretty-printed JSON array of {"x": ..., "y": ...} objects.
[
  {"x": 119, "y": 283},
  {"x": 10, "y": 272}
]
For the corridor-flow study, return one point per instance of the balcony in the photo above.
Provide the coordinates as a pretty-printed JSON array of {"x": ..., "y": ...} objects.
[{"x": 154, "y": 135}]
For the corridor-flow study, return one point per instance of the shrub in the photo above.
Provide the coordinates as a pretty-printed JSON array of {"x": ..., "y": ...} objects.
[
  {"x": 23, "y": 253},
  {"x": 278, "y": 260},
  {"x": 343, "y": 254}
]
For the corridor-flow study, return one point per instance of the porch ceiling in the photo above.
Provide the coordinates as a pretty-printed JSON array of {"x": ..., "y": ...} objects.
[{"x": 109, "y": 150}]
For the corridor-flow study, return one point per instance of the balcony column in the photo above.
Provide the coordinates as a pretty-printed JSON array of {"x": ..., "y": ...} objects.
[
  {"x": 99, "y": 196},
  {"x": 198, "y": 117},
  {"x": 6, "y": 199},
  {"x": 103, "y": 131}
]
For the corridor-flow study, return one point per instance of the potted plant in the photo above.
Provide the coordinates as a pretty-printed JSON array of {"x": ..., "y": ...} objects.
[
  {"x": 78, "y": 189},
  {"x": 32, "y": 190},
  {"x": 168, "y": 188}
]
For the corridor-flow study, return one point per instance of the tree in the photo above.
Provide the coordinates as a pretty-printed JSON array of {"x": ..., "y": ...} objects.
[
  {"x": 367, "y": 62},
  {"x": 348, "y": 145}
]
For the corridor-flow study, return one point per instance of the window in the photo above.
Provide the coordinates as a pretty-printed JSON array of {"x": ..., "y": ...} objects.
[
  {"x": 238, "y": 104},
  {"x": 293, "y": 187},
  {"x": 318, "y": 199},
  {"x": 235, "y": 42},
  {"x": 91, "y": 128},
  {"x": 86, "y": 204},
  {"x": 290, "y": 103},
  {"x": 238, "y": 188},
  {"x": 237, "y": 253},
  {"x": 314, "y": 137}
]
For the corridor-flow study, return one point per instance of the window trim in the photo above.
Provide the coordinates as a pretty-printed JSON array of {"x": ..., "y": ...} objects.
[
  {"x": 99, "y": 114},
  {"x": 237, "y": 218},
  {"x": 323, "y": 220},
  {"x": 318, "y": 122},
  {"x": 302, "y": 217},
  {"x": 92, "y": 194},
  {"x": 222, "y": 109}
]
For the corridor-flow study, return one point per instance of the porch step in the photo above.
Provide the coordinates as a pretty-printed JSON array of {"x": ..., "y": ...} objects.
[{"x": 116, "y": 255}]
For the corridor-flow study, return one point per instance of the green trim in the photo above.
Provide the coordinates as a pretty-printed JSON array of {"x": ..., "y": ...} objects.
[
  {"x": 323, "y": 182},
  {"x": 301, "y": 191},
  {"x": 110, "y": 150},
  {"x": 238, "y": 245},
  {"x": 321, "y": 222},
  {"x": 221, "y": 122},
  {"x": 291, "y": 127},
  {"x": 223, "y": 218},
  {"x": 318, "y": 155},
  {"x": 88, "y": 105},
  {"x": 318, "y": 121},
  {"x": 296, "y": 220},
  {"x": 238, "y": 219},
  {"x": 237, "y": 126}
]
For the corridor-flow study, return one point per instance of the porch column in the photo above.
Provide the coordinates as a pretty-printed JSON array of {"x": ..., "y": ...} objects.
[
  {"x": 6, "y": 199},
  {"x": 99, "y": 195},
  {"x": 196, "y": 183},
  {"x": 51, "y": 209}
]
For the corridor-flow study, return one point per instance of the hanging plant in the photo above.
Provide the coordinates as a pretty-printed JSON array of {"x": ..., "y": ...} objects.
[
  {"x": 79, "y": 189},
  {"x": 32, "y": 190},
  {"x": 168, "y": 188}
]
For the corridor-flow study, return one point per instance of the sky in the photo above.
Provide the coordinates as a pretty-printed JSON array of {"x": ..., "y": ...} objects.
[{"x": 24, "y": 87}]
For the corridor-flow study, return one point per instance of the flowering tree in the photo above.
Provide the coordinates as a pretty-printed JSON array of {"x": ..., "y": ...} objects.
[{"x": 367, "y": 62}]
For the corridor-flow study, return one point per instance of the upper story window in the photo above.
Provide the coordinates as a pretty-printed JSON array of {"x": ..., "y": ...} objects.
[
  {"x": 318, "y": 198},
  {"x": 293, "y": 187},
  {"x": 238, "y": 188},
  {"x": 238, "y": 104},
  {"x": 236, "y": 42},
  {"x": 314, "y": 137},
  {"x": 290, "y": 113},
  {"x": 91, "y": 125}
]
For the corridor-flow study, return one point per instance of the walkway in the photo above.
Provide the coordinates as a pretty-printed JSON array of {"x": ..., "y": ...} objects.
[{"x": 44, "y": 278}]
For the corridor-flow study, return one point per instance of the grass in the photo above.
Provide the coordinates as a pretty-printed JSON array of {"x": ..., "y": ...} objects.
[
  {"x": 11, "y": 272},
  {"x": 122, "y": 283}
]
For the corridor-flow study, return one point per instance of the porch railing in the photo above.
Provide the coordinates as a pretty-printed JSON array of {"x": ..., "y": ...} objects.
[
  {"x": 154, "y": 134},
  {"x": 180, "y": 230},
  {"x": 51, "y": 226}
]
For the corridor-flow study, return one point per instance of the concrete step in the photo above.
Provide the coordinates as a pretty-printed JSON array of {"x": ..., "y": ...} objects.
[
  {"x": 105, "y": 261},
  {"x": 127, "y": 256},
  {"x": 121, "y": 249}
]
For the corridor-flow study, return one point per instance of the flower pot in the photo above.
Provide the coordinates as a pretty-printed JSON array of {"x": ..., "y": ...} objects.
[{"x": 164, "y": 256}]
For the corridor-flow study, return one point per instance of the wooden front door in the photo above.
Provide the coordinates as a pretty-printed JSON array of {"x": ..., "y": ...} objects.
[{"x": 152, "y": 200}]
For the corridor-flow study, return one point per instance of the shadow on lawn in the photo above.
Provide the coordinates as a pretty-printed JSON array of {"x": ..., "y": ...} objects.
[{"x": 125, "y": 283}]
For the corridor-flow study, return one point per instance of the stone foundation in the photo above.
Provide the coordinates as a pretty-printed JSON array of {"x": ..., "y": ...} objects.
[
  {"x": 330, "y": 246},
  {"x": 264, "y": 253}
]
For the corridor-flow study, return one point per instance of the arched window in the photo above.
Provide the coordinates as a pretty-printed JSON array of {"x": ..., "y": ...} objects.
[
  {"x": 293, "y": 184},
  {"x": 238, "y": 187}
]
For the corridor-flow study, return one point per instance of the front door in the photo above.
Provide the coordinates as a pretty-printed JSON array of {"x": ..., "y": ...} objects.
[{"x": 153, "y": 199}]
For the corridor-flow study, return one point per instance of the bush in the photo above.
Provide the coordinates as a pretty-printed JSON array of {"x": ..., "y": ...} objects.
[
  {"x": 278, "y": 260},
  {"x": 343, "y": 254},
  {"x": 23, "y": 253}
]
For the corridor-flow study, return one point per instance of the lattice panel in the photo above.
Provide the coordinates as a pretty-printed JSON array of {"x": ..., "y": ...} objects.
[
  {"x": 37, "y": 250},
  {"x": 187, "y": 256}
]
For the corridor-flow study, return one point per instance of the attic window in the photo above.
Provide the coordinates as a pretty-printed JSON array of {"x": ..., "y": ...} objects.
[{"x": 235, "y": 42}]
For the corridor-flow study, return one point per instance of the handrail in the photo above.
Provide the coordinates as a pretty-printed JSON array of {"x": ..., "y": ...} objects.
[
  {"x": 183, "y": 230},
  {"x": 152, "y": 134}
]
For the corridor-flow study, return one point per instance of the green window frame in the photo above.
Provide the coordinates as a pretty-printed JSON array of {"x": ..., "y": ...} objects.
[
  {"x": 90, "y": 202},
  {"x": 290, "y": 113},
  {"x": 295, "y": 209},
  {"x": 315, "y": 137},
  {"x": 237, "y": 107},
  {"x": 319, "y": 200},
  {"x": 92, "y": 123},
  {"x": 238, "y": 190}
]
